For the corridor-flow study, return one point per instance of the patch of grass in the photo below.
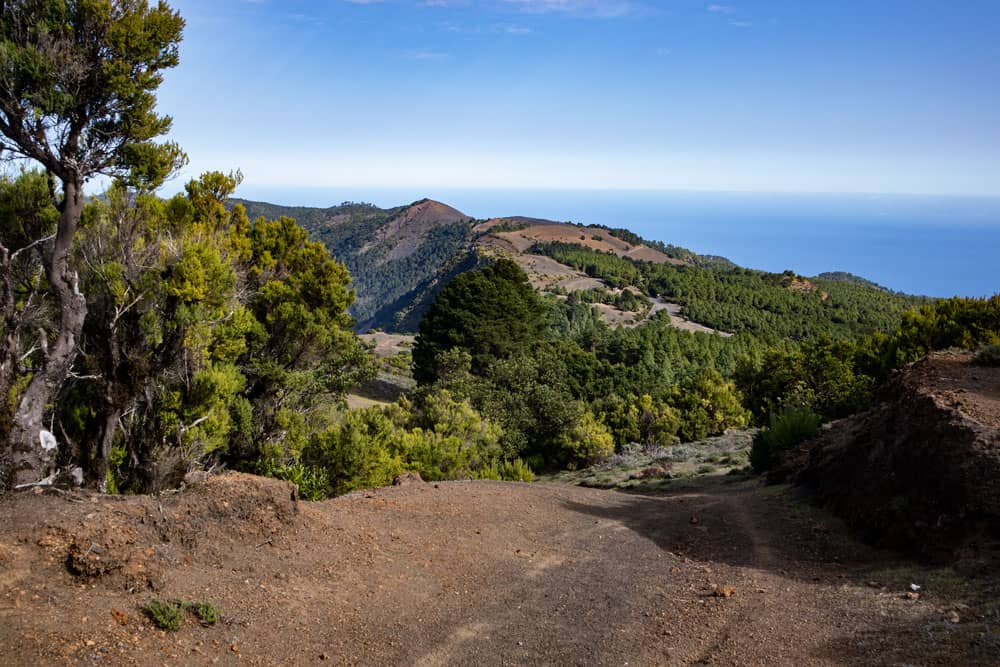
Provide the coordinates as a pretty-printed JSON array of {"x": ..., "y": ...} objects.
[{"x": 165, "y": 615}]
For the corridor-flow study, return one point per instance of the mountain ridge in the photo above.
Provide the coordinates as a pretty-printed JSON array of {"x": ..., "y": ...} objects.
[{"x": 400, "y": 257}]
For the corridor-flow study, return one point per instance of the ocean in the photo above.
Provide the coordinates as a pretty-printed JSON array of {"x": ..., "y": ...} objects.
[{"x": 935, "y": 246}]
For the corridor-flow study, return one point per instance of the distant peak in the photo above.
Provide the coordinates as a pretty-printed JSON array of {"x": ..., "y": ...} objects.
[{"x": 432, "y": 207}]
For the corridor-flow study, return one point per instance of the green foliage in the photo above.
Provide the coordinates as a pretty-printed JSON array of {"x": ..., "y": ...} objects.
[
  {"x": 708, "y": 405},
  {"x": 312, "y": 481},
  {"x": 394, "y": 284},
  {"x": 87, "y": 72},
  {"x": 822, "y": 375},
  {"x": 206, "y": 612},
  {"x": 988, "y": 356},
  {"x": 165, "y": 615},
  {"x": 639, "y": 419},
  {"x": 741, "y": 300},
  {"x": 624, "y": 300},
  {"x": 491, "y": 313},
  {"x": 168, "y": 615},
  {"x": 587, "y": 442},
  {"x": 208, "y": 339},
  {"x": 787, "y": 429},
  {"x": 438, "y": 436},
  {"x": 956, "y": 322}
]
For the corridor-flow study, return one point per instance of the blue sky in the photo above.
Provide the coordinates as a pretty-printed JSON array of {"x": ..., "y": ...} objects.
[{"x": 893, "y": 96}]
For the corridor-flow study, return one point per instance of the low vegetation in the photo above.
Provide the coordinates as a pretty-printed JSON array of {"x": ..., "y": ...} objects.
[{"x": 168, "y": 615}]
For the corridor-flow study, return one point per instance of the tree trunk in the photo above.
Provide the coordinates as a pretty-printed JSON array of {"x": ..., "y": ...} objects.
[
  {"x": 100, "y": 467},
  {"x": 33, "y": 448}
]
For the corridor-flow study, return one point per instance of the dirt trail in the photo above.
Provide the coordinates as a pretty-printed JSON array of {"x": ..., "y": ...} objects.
[{"x": 491, "y": 574}]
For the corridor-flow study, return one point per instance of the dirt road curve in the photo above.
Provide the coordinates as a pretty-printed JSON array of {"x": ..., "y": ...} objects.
[{"x": 506, "y": 574}]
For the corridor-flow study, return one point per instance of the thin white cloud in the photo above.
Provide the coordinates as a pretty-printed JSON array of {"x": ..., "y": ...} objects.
[
  {"x": 601, "y": 8},
  {"x": 721, "y": 9},
  {"x": 424, "y": 54},
  {"x": 512, "y": 29},
  {"x": 741, "y": 24}
]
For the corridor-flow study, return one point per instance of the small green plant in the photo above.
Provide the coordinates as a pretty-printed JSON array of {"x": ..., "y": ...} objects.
[
  {"x": 206, "y": 612},
  {"x": 165, "y": 615},
  {"x": 516, "y": 471},
  {"x": 168, "y": 615},
  {"x": 988, "y": 356},
  {"x": 788, "y": 428}
]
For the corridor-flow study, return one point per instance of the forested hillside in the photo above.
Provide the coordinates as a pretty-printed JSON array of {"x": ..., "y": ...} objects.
[{"x": 398, "y": 257}]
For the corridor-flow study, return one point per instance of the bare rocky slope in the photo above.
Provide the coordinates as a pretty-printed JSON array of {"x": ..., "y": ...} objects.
[{"x": 920, "y": 470}]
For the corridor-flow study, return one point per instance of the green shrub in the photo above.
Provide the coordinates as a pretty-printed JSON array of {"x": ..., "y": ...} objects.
[
  {"x": 313, "y": 481},
  {"x": 206, "y": 612},
  {"x": 516, "y": 471},
  {"x": 587, "y": 442},
  {"x": 988, "y": 356},
  {"x": 507, "y": 471},
  {"x": 788, "y": 428},
  {"x": 165, "y": 615}
]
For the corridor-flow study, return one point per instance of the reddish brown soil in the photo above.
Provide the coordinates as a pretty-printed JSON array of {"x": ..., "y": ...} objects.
[
  {"x": 407, "y": 231},
  {"x": 588, "y": 237},
  {"x": 467, "y": 573}
]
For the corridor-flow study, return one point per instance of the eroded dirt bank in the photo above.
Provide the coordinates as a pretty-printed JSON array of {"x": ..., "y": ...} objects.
[{"x": 471, "y": 573}]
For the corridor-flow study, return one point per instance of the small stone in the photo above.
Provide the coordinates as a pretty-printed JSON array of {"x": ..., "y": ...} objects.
[
  {"x": 911, "y": 595},
  {"x": 724, "y": 591},
  {"x": 953, "y": 617}
]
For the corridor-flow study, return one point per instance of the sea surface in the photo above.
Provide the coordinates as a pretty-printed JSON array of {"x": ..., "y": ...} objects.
[{"x": 936, "y": 246}]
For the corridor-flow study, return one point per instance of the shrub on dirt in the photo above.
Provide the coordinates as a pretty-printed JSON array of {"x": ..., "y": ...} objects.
[
  {"x": 313, "y": 481},
  {"x": 788, "y": 428},
  {"x": 206, "y": 612},
  {"x": 165, "y": 615},
  {"x": 988, "y": 356}
]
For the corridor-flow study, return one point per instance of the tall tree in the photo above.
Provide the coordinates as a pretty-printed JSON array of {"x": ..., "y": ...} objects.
[
  {"x": 490, "y": 312},
  {"x": 77, "y": 84}
]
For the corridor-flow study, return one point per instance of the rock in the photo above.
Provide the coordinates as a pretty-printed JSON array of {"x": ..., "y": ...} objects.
[
  {"x": 407, "y": 478},
  {"x": 658, "y": 471},
  {"x": 911, "y": 595},
  {"x": 724, "y": 591},
  {"x": 195, "y": 477}
]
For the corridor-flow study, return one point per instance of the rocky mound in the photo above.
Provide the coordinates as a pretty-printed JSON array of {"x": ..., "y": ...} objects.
[
  {"x": 133, "y": 542},
  {"x": 920, "y": 470}
]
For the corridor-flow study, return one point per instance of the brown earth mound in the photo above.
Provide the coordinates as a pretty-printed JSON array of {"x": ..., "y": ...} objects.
[
  {"x": 133, "y": 542},
  {"x": 920, "y": 470}
]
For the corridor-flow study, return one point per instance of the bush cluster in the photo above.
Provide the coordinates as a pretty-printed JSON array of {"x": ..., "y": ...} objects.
[{"x": 788, "y": 428}]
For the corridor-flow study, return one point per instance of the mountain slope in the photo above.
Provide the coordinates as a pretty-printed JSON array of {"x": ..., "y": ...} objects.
[
  {"x": 400, "y": 257},
  {"x": 397, "y": 257}
]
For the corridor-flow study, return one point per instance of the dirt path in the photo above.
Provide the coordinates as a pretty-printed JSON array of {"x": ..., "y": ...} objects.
[{"x": 495, "y": 574}]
